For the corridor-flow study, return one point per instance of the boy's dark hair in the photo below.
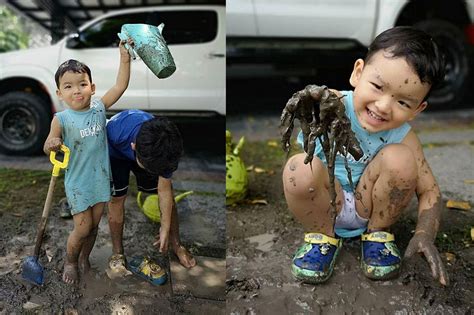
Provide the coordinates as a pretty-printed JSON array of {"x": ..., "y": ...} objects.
[
  {"x": 159, "y": 146},
  {"x": 74, "y": 66},
  {"x": 417, "y": 47}
]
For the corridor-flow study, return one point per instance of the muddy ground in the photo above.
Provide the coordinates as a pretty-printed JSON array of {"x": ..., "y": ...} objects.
[
  {"x": 22, "y": 195},
  {"x": 261, "y": 241}
]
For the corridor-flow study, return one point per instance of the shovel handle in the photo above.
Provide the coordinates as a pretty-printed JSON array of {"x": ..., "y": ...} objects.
[{"x": 57, "y": 166}]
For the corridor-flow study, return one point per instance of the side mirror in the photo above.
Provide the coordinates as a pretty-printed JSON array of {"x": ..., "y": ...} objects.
[{"x": 73, "y": 41}]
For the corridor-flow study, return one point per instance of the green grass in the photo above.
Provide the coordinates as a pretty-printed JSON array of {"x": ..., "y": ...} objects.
[{"x": 26, "y": 189}]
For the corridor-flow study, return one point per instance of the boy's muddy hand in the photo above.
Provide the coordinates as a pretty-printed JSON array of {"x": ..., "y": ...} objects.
[
  {"x": 162, "y": 241},
  {"x": 422, "y": 243},
  {"x": 124, "y": 51},
  {"x": 321, "y": 113},
  {"x": 53, "y": 144}
]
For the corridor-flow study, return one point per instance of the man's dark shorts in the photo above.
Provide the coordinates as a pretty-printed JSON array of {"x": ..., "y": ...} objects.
[{"x": 146, "y": 182}]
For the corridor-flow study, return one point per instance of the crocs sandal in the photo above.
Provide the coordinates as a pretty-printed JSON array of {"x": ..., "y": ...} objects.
[
  {"x": 117, "y": 267},
  {"x": 148, "y": 270},
  {"x": 314, "y": 261},
  {"x": 64, "y": 209},
  {"x": 381, "y": 258}
]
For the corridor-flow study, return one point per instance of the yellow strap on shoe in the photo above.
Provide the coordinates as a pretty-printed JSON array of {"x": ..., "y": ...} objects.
[
  {"x": 318, "y": 238},
  {"x": 379, "y": 236}
]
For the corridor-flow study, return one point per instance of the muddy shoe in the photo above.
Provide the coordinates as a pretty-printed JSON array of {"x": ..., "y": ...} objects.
[
  {"x": 64, "y": 209},
  {"x": 380, "y": 256},
  {"x": 117, "y": 267},
  {"x": 148, "y": 270},
  {"x": 314, "y": 261}
]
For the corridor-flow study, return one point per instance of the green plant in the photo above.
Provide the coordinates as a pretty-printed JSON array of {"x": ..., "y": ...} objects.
[{"x": 12, "y": 33}]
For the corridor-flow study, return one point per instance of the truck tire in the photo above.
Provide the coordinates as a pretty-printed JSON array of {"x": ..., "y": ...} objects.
[
  {"x": 24, "y": 123},
  {"x": 453, "y": 46}
]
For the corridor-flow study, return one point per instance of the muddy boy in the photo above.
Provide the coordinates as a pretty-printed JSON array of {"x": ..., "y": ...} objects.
[{"x": 391, "y": 87}]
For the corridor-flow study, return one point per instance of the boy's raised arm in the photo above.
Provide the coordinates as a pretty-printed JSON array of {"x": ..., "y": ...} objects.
[
  {"x": 123, "y": 78},
  {"x": 429, "y": 212},
  {"x": 53, "y": 141}
]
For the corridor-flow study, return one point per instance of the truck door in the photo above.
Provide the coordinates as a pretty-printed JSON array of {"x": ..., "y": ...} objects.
[
  {"x": 196, "y": 39},
  {"x": 316, "y": 18}
]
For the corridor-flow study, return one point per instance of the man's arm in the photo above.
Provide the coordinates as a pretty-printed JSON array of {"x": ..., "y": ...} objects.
[
  {"x": 123, "y": 78},
  {"x": 429, "y": 212},
  {"x": 53, "y": 141},
  {"x": 165, "y": 194}
]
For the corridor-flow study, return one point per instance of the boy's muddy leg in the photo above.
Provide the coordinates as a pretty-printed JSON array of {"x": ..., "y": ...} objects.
[
  {"x": 75, "y": 241},
  {"x": 307, "y": 194},
  {"x": 184, "y": 256},
  {"x": 386, "y": 186},
  {"x": 84, "y": 264},
  {"x": 116, "y": 218}
]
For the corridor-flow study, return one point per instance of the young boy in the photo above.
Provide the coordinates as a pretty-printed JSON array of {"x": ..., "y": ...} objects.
[
  {"x": 391, "y": 87},
  {"x": 81, "y": 127},
  {"x": 150, "y": 148}
]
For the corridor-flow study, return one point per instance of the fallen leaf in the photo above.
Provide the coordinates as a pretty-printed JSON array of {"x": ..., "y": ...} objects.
[
  {"x": 463, "y": 205},
  {"x": 272, "y": 143},
  {"x": 259, "y": 170},
  {"x": 249, "y": 168},
  {"x": 469, "y": 181},
  {"x": 271, "y": 172},
  {"x": 259, "y": 202},
  {"x": 450, "y": 257},
  {"x": 472, "y": 233},
  {"x": 17, "y": 214}
]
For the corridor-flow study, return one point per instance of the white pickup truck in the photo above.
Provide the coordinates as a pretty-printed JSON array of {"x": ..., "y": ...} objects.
[
  {"x": 195, "y": 37},
  {"x": 292, "y": 38}
]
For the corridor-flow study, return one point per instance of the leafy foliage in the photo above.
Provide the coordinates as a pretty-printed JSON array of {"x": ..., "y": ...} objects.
[{"x": 12, "y": 33}]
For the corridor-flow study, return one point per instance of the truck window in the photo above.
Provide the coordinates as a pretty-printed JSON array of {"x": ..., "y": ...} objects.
[
  {"x": 104, "y": 32},
  {"x": 187, "y": 26}
]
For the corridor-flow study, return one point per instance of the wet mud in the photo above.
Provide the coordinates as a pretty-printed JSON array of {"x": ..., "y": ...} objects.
[
  {"x": 96, "y": 293},
  {"x": 261, "y": 241}
]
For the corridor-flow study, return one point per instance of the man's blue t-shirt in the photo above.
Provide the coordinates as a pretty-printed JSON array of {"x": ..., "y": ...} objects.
[{"x": 122, "y": 130}]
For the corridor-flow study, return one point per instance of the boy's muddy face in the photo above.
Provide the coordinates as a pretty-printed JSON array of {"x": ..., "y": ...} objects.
[
  {"x": 387, "y": 93},
  {"x": 76, "y": 90}
]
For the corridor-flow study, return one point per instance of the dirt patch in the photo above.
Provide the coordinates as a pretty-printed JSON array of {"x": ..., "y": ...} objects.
[
  {"x": 261, "y": 240},
  {"x": 22, "y": 195}
]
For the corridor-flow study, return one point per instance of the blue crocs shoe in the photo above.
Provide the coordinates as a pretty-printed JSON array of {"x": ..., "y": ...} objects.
[
  {"x": 381, "y": 259},
  {"x": 314, "y": 261}
]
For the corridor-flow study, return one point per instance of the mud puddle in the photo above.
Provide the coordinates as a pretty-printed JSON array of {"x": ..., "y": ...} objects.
[{"x": 259, "y": 280}]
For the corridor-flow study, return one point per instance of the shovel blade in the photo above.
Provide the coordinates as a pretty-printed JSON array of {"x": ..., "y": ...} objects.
[{"x": 32, "y": 270}]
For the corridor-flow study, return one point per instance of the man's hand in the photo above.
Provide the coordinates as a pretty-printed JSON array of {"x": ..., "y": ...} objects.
[
  {"x": 421, "y": 242},
  {"x": 162, "y": 240}
]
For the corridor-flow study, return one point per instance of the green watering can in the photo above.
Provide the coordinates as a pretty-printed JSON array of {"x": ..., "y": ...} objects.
[
  {"x": 150, "y": 206},
  {"x": 236, "y": 174},
  {"x": 150, "y": 45}
]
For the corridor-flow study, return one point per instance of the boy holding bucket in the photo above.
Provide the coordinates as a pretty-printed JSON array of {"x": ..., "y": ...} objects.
[{"x": 81, "y": 127}]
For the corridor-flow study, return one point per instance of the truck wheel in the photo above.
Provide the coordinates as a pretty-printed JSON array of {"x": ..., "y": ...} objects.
[
  {"x": 453, "y": 46},
  {"x": 24, "y": 123}
]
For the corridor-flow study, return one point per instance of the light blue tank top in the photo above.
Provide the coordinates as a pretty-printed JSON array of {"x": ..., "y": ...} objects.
[
  {"x": 371, "y": 144},
  {"x": 87, "y": 179}
]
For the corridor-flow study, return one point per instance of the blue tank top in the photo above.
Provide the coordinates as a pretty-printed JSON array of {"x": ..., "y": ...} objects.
[
  {"x": 371, "y": 144},
  {"x": 87, "y": 179}
]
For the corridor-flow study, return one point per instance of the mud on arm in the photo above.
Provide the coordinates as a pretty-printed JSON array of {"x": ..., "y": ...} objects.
[
  {"x": 165, "y": 194},
  {"x": 429, "y": 213}
]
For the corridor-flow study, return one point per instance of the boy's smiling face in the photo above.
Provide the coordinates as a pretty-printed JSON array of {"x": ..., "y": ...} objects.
[
  {"x": 387, "y": 92},
  {"x": 76, "y": 90}
]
